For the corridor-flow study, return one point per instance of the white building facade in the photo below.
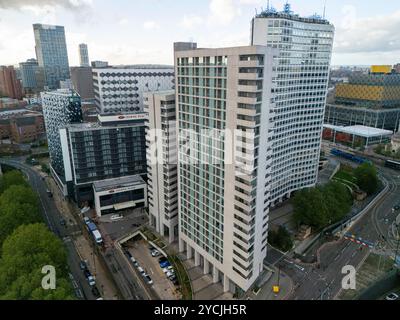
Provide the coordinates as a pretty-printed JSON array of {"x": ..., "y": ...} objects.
[
  {"x": 120, "y": 89},
  {"x": 300, "y": 87},
  {"x": 162, "y": 162},
  {"x": 223, "y": 197}
]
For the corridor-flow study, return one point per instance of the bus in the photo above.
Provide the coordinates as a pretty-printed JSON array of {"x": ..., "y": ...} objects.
[{"x": 392, "y": 164}]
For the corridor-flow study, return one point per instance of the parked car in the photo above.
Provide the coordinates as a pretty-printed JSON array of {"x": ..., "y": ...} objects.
[
  {"x": 169, "y": 269},
  {"x": 148, "y": 279},
  {"x": 96, "y": 292},
  {"x": 87, "y": 220},
  {"x": 83, "y": 265},
  {"x": 172, "y": 278},
  {"x": 128, "y": 254},
  {"x": 141, "y": 271},
  {"x": 87, "y": 273},
  {"x": 49, "y": 193},
  {"x": 170, "y": 274},
  {"x": 162, "y": 259},
  {"x": 392, "y": 297},
  {"x": 63, "y": 222},
  {"x": 91, "y": 281},
  {"x": 116, "y": 217},
  {"x": 155, "y": 253},
  {"x": 165, "y": 264}
]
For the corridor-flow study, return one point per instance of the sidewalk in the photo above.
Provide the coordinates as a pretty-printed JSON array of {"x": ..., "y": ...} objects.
[
  {"x": 82, "y": 245},
  {"x": 266, "y": 292}
]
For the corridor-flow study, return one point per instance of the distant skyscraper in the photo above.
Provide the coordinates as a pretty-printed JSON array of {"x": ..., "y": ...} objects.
[
  {"x": 82, "y": 80},
  {"x": 84, "y": 55},
  {"x": 51, "y": 53},
  {"x": 301, "y": 86},
  {"x": 32, "y": 76},
  {"x": 10, "y": 86},
  {"x": 99, "y": 64},
  {"x": 60, "y": 108}
]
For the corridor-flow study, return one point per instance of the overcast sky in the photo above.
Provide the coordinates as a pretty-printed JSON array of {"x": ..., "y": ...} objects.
[{"x": 143, "y": 31}]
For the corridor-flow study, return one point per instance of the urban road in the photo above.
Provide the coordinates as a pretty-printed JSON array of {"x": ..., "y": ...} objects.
[
  {"x": 324, "y": 282},
  {"x": 53, "y": 218}
]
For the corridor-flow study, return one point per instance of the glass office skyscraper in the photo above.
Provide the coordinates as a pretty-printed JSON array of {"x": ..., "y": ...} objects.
[{"x": 51, "y": 53}]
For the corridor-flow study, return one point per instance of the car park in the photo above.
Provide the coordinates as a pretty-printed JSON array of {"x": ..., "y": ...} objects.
[{"x": 392, "y": 297}]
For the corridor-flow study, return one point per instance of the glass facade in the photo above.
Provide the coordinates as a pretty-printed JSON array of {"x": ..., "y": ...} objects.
[
  {"x": 51, "y": 53},
  {"x": 202, "y": 84}
]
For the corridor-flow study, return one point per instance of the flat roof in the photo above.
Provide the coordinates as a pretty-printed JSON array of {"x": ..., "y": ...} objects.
[
  {"x": 117, "y": 183},
  {"x": 362, "y": 131}
]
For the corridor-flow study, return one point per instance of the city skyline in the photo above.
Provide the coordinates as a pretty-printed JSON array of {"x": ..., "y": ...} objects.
[{"x": 146, "y": 34}]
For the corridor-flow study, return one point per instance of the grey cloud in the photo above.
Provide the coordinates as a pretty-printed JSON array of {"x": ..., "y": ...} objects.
[
  {"x": 368, "y": 35},
  {"x": 68, "y": 4}
]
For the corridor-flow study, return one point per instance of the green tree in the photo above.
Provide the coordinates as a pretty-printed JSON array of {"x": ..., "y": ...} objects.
[
  {"x": 310, "y": 209},
  {"x": 338, "y": 200},
  {"x": 367, "y": 178},
  {"x": 280, "y": 239},
  {"x": 24, "y": 253},
  {"x": 12, "y": 178},
  {"x": 322, "y": 206},
  {"x": 18, "y": 205}
]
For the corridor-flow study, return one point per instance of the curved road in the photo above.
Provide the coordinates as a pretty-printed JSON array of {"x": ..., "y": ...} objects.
[{"x": 324, "y": 283}]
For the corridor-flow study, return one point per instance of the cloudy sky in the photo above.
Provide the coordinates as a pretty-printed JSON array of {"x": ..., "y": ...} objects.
[{"x": 142, "y": 31}]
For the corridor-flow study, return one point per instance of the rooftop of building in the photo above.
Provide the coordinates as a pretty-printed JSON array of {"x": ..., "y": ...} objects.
[
  {"x": 287, "y": 13},
  {"x": 361, "y": 131},
  {"x": 117, "y": 183},
  {"x": 62, "y": 92},
  {"x": 108, "y": 122}
]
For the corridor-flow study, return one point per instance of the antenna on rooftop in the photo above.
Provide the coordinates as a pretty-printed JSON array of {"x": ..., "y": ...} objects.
[
  {"x": 286, "y": 8},
  {"x": 324, "y": 10}
]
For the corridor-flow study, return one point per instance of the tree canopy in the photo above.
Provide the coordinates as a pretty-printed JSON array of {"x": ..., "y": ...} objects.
[
  {"x": 367, "y": 178},
  {"x": 321, "y": 206},
  {"x": 280, "y": 239},
  {"x": 12, "y": 178},
  {"x": 24, "y": 253},
  {"x": 18, "y": 205}
]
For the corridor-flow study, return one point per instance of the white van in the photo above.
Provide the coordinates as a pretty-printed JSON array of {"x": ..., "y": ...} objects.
[{"x": 97, "y": 237}]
